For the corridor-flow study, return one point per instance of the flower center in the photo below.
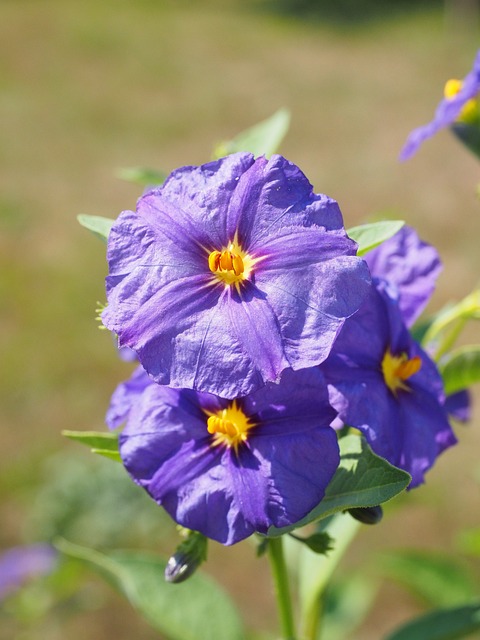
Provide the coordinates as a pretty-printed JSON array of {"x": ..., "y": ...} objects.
[
  {"x": 397, "y": 369},
  {"x": 231, "y": 265},
  {"x": 469, "y": 110},
  {"x": 229, "y": 426}
]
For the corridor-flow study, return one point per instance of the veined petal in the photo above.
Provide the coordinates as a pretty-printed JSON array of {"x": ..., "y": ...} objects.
[
  {"x": 148, "y": 302},
  {"x": 299, "y": 403},
  {"x": 281, "y": 192},
  {"x": 206, "y": 192},
  {"x": 133, "y": 242},
  {"x": 312, "y": 307},
  {"x": 297, "y": 476},
  {"x": 257, "y": 331},
  {"x": 409, "y": 264},
  {"x": 301, "y": 248}
]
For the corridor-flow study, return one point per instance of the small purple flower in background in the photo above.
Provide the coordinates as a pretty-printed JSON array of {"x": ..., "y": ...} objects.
[
  {"x": 385, "y": 385},
  {"x": 19, "y": 564},
  {"x": 229, "y": 468},
  {"x": 459, "y": 105},
  {"x": 230, "y": 273},
  {"x": 409, "y": 265}
]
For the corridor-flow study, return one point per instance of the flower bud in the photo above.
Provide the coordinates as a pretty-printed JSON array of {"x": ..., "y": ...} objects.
[
  {"x": 367, "y": 515},
  {"x": 188, "y": 556}
]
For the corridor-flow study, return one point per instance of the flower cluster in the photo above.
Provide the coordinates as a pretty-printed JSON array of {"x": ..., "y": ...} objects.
[{"x": 258, "y": 330}]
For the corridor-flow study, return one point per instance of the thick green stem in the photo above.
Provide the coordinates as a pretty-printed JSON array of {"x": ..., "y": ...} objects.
[{"x": 282, "y": 587}]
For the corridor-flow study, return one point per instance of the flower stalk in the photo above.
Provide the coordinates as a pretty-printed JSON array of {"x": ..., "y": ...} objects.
[{"x": 282, "y": 588}]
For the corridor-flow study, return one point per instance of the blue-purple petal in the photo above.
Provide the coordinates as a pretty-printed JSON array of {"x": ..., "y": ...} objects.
[
  {"x": 409, "y": 264},
  {"x": 124, "y": 396}
]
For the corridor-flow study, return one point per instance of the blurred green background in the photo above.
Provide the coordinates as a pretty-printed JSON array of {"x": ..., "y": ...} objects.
[{"x": 89, "y": 87}]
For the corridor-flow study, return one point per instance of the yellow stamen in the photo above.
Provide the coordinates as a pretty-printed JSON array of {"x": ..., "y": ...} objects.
[
  {"x": 214, "y": 260},
  {"x": 397, "y": 369},
  {"x": 470, "y": 109},
  {"x": 229, "y": 427},
  {"x": 231, "y": 265}
]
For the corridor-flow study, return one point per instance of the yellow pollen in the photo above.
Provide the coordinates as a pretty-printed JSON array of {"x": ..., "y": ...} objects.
[
  {"x": 231, "y": 265},
  {"x": 229, "y": 426},
  {"x": 470, "y": 109},
  {"x": 397, "y": 369}
]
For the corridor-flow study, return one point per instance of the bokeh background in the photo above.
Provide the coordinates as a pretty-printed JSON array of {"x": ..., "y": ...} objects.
[{"x": 87, "y": 88}]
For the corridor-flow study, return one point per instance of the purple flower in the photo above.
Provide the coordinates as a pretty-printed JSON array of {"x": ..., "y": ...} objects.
[
  {"x": 228, "y": 468},
  {"x": 230, "y": 273},
  {"x": 19, "y": 564},
  {"x": 409, "y": 265},
  {"x": 459, "y": 105},
  {"x": 385, "y": 385}
]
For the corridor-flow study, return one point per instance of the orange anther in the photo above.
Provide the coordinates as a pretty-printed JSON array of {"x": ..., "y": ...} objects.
[
  {"x": 214, "y": 261},
  {"x": 237, "y": 264},
  {"x": 226, "y": 262}
]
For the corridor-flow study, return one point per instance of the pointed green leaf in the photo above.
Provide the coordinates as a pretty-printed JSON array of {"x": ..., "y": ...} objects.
[
  {"x": 362, "y": 479},
  {"x": 319, "y": 542},
  {"x": 103, "y": 443},
  {"x": 447, "y": 325},
  {"x": 263, "y": 138},
  {"x": 97, "y": 224},
  {"x": 106, "y": 453},
  {"x": 195, "y": 608},
  {"x": 462, "y": 369},
  {"x": 443, "y": 624},
  {"x": 143, "y": 177},
  {"x": 369, "y": 236}
]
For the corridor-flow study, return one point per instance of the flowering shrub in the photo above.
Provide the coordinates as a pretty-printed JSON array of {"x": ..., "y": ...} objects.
[{"x": 283, "y": 378}]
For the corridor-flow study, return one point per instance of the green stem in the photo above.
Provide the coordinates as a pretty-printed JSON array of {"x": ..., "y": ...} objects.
[{"x": 282, "y": 589}]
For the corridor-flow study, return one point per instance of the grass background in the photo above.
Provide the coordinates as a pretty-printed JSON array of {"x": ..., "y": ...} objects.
[{"x": 87, "y": 88}]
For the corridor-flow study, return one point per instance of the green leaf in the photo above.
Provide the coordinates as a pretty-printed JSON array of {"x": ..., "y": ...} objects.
[
  {"x": 97, "y": 224},
  {"x": 186, "y": 611},
  {"x": 436, "y": 579},
  {"x": 369, "y": 236},
  {"x": 461, "y": 369},
  {"x": 443, "y": 624},
  {"x": 263, "y": 138},
  {"x": 319, "y": 542},
  {"x": 362, "y": 479},
  {"x": 143, "y": 177},
  {"x": 448, "y": 324},
  {"x": 103, "y": 443}
]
